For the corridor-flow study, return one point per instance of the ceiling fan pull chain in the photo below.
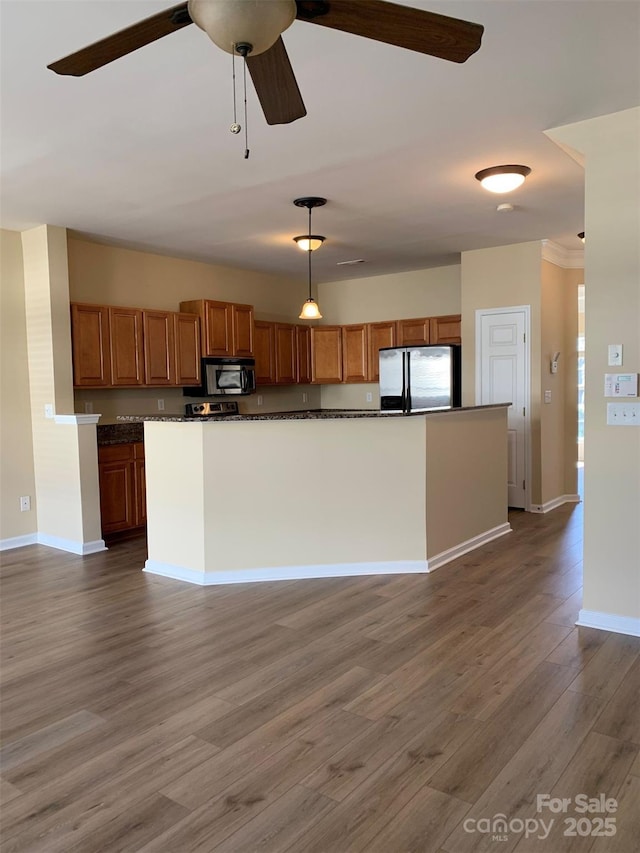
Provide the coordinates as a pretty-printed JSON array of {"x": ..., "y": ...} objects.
[
  {"x": 235, "y": 127},
  {"x": 246, "y": 124}
]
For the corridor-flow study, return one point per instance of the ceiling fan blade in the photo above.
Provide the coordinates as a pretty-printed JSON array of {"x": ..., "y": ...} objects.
[
  {"x": 403, "y": 26},
  {"x": 125, "y": 41},
  {"x": 276, "y": 85}
]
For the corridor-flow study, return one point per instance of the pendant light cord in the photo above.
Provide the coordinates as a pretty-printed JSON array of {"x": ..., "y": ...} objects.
[
  {"x": 309, "y": 253},
  {"x": 246, "y": 130}
]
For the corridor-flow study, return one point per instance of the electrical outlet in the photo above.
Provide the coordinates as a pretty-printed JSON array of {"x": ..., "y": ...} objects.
[
  {"x": 305, "y": 397},
  {"x": 88, "y": 408},
  {"x": 25, "y": 503},
  {"x": 161, "y": 405},
  {"x": 48, "y": 410},
  {"x": 259, "y": 399},
  {"x": 369, "y": 397}
]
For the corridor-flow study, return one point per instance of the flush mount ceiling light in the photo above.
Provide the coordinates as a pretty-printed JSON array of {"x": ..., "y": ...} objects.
[
  {"x": 310, "y": 310},
  {"x": 581, "y": 236},
  {"x": 502, "y": 179}
]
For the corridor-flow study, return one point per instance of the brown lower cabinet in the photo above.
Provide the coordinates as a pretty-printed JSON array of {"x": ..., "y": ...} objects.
[{"x": 123, "y": 505}]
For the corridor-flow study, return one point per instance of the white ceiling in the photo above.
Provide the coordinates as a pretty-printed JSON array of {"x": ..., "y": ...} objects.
[{"x": 140, "y": 153}]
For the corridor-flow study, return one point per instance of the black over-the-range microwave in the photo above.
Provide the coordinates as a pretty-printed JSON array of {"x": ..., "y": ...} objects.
[{"x": 222, "y": 376}]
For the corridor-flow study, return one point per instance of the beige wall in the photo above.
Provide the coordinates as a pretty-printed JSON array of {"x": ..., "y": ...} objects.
[
  {"x": 110, "y": 275},
  {"x": 611, "y": 145},
  {"x": 421, "y": 293},
  {"x": 466, "y": 477},
  {"x": 16, "y": 445},
  {"x": 115, "y": 276},
  {"x": 558, "y": 419},
  {"x": 498, "y": 278},
  {"x": 65, "y": 458},
  {"x": 286, "y": 493}
]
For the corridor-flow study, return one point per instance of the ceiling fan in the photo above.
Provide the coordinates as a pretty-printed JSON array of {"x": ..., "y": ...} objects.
[{"x": 252, "y": 28}]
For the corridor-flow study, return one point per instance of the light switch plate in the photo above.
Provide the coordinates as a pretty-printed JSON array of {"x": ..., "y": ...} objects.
[
  {"x": 623, "y": 414},
  {"x": 615, "y": 355},
  {"x": 547, "y": 396}
]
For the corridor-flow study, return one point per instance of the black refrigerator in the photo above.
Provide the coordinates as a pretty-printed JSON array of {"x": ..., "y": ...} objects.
[{"x": 420, "y": 378}]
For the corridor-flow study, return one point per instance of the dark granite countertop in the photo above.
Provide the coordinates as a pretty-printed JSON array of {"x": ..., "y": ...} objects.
[
  {"x": 317, "y": 414},
  {"x": 121, "y": 433}
]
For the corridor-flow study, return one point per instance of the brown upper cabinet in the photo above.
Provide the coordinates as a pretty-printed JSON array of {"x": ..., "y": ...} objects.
[
  {"x": 264, "y": 350},
  {"x": 127, "y": 353},
  {"x": 355, "y": 353},
  {"x": 186, "y": 332},
  {"x": 285, "y": 346},
  {"x": 159, "y": 347},
  {"x": 326, "y": 354},
  {"x": 380, "y": 335},
  {"x": 303, "y": 355},
  {"x": 445, "y": 330},
  {"x": 91, "y": 346},
  {"x": 125, "y": 347},
  {"x": 414, "y": 332},
  {"x": 227, "y": 328}
]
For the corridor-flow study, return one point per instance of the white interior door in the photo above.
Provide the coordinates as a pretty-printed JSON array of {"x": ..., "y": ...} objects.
[{"x": 502, "y": 377}]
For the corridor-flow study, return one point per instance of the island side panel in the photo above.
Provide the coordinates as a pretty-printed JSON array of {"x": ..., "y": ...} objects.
[
  {"x": 343, "y": 493},
  {"x": 466, "y": 481},
  {"x": 174, "y": 469}
]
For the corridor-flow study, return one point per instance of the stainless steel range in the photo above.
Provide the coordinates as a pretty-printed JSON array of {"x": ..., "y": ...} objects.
[{"x": 193, "y": 410}]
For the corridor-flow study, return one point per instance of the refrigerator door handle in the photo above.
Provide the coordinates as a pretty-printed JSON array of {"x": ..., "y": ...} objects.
[
  {"x": 404, "y": 382},
  {"x": 407, "y": 396}
]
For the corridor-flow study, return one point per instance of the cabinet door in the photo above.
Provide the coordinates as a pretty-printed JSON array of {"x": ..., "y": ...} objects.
[
  {"x": 159, "y": 351},
  {"x": 445, "y": 330},
  {"x": 127, "y": 356},
  {"x": 91, "y": 350},
  {"x": 243, "y": 330},
  {"x": 413, "y": 332},
  {"x": 218, "y": 328},
  {"x": 139, "y": 485},
  {"x": 355, "y": 355},
  {"x": 303, "y": 355},
  {"x": 326, "y": 354},
  {"x": 380, "y": 335},
  {"x": 264, "y": 351},
  {"x": 186, "y": 333},
  {"x": 117, "y": 495},
  {"x": 285, "y": 353}
]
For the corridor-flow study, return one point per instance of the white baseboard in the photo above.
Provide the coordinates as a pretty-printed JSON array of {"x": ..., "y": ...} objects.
[
  {"x": 71, "y": 545},
  {"x": 609, "y": 622},
  {"x": 469, "y": 545},
  {"x": 284, "y": 573},
  {"x": 556, "y": 502},
  {"x": 18, "y": 541}
]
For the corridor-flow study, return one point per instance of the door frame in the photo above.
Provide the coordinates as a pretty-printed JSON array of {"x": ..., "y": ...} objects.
[{"x": 526, "y": 310}]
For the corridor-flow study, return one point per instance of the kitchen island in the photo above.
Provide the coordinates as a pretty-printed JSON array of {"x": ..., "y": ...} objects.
[{"x": 321, "y": 494}]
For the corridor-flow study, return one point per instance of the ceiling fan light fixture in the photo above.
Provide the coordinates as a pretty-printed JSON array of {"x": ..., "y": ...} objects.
[
  {"x": 309, "y": 242},
  {"x": 253, "y": 22},
  {"x": 502, "y": 179}
]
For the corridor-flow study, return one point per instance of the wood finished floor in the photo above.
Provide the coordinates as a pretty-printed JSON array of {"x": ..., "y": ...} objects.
[{"x": 323, "y": 716}]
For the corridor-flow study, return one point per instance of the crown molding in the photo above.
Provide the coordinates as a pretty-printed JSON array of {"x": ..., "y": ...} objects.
[{"x": 570, "y": 259}]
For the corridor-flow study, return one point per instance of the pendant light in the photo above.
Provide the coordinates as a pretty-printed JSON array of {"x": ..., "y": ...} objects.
[
  {"x": 309, "y": 242},
  {"x": 502, "y": 179}
]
